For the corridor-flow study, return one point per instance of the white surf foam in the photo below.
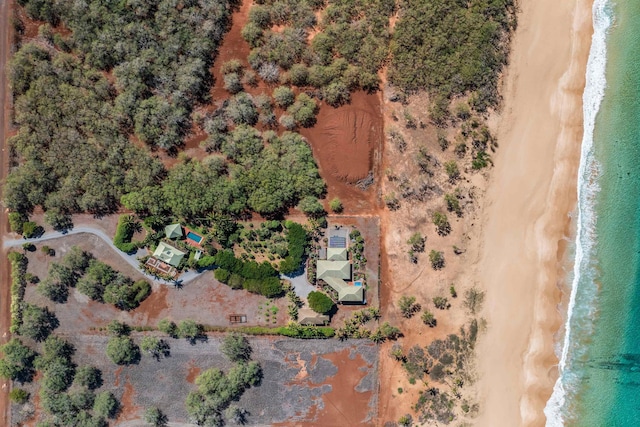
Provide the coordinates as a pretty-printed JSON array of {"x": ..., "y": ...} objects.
[{"x": 555, "y": 409}]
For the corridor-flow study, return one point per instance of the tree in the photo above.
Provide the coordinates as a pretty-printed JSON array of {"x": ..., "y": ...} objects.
[
  {"x": 236, "y": 414},
  {"x": 168, "y": 327},
  {"x": 429, "y": 319},
  {"x": 451, "y": 167},
  {"x": 106, "y": 405},
  {"x": 232, "y": 83},
  {"x": 16, "y": 221},
  {"x": 19, "y": 396},
  {"x": 388, "y": 331},
  {"x": 453, "y": 204},
  {"x": 31, "y": 229},
  {"x": 118, "y": 329},
  {"x": 442, "y": 223},
  {"x": 122, "y": 350},
  {"x": 437, "y": 259},
  {"x": 89, "y": 376},
  {"x": 441, "y": 303},
  {"x": 336, "y": 205},
  {"x": 54, "y": 290},
  {"x": 303, "y": 110},
  {"x": 408, "y": 306},
  {"x": 417, "y": 242},
  {"x": 452, "y": 291},
  {"x": 190, "y": 330},
  {"x": 155, "y": 417},
  {"x": 336, "y": 93},
  {"x": 37, "y": 322},
  {"x": 283, "y": 96},
  {"x": 241, "y": 110},
  {"x": 320, "y": 302},
  {"x": 154, "y": 346},
  {"x": 311, "y": 206},
  {"x": 473, "y": 299},
  {"x": 17, "y": 363},
  {"x": 236, "y": 347},
  {"x": 287, "y": 122}
]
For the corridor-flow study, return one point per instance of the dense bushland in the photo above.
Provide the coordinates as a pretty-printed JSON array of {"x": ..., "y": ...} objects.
[{"x": 452, "y": 48}]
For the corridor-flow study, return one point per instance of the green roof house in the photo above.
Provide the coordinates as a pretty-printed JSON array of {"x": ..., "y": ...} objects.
[
  {"x": 335, "y": 273},
  {"x": 173, "y": 231},
  {"x": 337, "y": 254},
  {"x": 346, "y": 293},
  {"x": 339, "y": 269},
  {"x": 168, "y": 254}
]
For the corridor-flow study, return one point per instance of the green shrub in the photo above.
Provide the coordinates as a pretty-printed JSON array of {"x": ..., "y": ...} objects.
[
  {"x": 320, "y": 303},
  {"x": 222, "y": 275},
  {"x": 17, "y": 363},
  {"x": 283, "y": 96},
  {"x": 297, "y": 240},
  {"x": 18, "y": 264},
  {"x": 336, "y": 205},
  {"x": 168, "y": 327},
  {"x": 16, "y": 221},
  {"x": 122, "y": 350},
  {"x": 124, "y": 234},
  {"x": 18, "y": 395}
]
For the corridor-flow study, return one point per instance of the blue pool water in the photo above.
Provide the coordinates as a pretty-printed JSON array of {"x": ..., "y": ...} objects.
[
  {"x": 357, "y": 283},
  {"x": 194, "y": 237}
]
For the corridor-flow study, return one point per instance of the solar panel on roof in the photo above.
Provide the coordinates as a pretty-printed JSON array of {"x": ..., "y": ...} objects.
[{"x": 337, "y": 242}]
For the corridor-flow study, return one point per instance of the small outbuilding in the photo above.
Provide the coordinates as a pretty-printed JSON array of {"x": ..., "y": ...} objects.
[
  {"x": 306, "y": 316},
  {"x": 173, "y": 231}
]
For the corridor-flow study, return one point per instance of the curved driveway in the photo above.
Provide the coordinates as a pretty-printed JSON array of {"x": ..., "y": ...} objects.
[{"x": 132, "y": 260}]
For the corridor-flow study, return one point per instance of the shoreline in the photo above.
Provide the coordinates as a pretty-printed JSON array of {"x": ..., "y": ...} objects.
[{"x": 528, "y": 207}]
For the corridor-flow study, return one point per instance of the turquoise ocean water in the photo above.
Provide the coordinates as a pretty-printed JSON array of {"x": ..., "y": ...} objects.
[{"x": 599, "y": 382}]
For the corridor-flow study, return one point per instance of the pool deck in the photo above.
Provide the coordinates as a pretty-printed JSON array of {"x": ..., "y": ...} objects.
[{"x": 192, "y": 242}]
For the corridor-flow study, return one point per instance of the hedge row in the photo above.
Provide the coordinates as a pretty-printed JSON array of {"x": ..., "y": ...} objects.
[
  {"x": 124, "y": 234},
  {"x": 257, "y": 278},
  {"x": 297, "y": 239},
  {"x": 19, "y": 264},
  {"x": 291, "y": 331}
]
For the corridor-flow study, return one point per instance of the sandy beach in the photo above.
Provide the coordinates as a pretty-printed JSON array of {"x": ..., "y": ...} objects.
[{"x": 527, "y": 214}]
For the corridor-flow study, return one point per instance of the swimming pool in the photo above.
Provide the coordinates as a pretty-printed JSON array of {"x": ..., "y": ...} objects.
[
  {"x": 193, "y": 236},
  {"x": 358, "y": 283}
]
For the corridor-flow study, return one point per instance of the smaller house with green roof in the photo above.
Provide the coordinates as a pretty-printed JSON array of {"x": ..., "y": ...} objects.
[
  {"x": 173, "y": 231},
  {"x": 168, "y": 254},
  {"x": 337, "y": 254}
]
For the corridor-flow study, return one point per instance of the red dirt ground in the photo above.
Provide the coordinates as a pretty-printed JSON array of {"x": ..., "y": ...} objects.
[
  {"x": 194, "y": 371},
  {"x": 129, "y": 410},
  {"x": 155, "y": 304},
  {"x": 343, "y": 405},
  {"x": 347, "y": 143},
  {"x": 5, "y": 130}
]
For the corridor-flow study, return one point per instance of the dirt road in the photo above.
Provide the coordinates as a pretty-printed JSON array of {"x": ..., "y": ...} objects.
[{"x": 5, "y": 127}]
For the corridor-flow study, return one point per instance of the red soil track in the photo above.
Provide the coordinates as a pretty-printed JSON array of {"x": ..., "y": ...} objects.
[{"x": 5, "y": 129}]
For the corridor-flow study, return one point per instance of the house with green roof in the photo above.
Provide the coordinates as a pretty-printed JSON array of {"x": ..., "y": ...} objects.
[
  {"x": 173, "y": 231},
  {"x": 347, "y": 293},
  {"x": 339, "y": 269},
  {"x": 336, "y": 274},
  {"x": 337, "y": 254},
  {"x": 168, "y": 254}
]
